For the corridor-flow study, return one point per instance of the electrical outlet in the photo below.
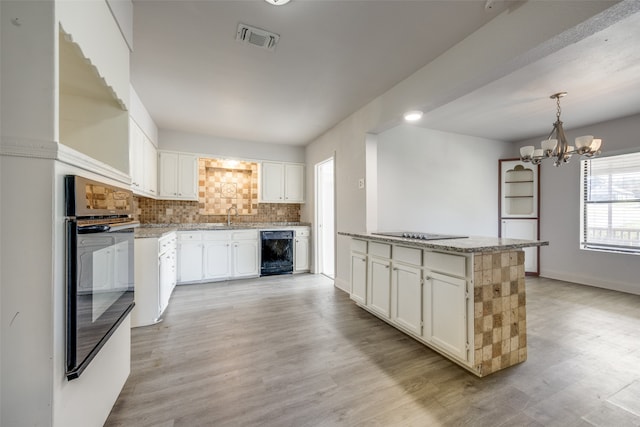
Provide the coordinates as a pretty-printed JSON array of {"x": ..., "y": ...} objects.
[{"x": 361, "y": 183}]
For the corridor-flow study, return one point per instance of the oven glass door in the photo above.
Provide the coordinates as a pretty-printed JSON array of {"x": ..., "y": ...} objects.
[{"x": 100, "y": 288}]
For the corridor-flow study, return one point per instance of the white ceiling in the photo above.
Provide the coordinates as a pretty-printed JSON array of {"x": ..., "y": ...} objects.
[
  {"x": 334, "y": 56},
  {"x": 600, "y": 73}
]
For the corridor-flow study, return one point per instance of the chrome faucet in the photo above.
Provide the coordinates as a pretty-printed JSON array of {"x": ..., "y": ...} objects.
[{"x": 229, "y": 214}]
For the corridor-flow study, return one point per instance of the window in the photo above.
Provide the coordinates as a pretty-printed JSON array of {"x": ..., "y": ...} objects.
[{"x": 611, "y": 203}]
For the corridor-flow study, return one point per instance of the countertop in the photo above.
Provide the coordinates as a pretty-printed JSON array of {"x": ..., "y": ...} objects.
[
  {"x": 159, "y": 230},
  {"x": 472, "y": 244}
]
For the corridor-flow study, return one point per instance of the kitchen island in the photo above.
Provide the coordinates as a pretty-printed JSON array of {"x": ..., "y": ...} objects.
[{"x": 463, "y": 297}]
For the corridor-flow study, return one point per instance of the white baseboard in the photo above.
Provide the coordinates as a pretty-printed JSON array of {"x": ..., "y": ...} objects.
[
  {"x": 343, "y": 285},
  {"x": 631, "y": 288}
]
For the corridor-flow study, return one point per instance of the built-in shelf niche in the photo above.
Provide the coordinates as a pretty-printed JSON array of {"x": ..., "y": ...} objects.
[
  {"x": 519, "y": 192},
  {"x": 225, "y": 184},
  {"x": 519, "y": 205}
]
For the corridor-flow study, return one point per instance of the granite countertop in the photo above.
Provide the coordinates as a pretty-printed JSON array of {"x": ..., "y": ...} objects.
[
  {"x": 472, "y": 244},
  {"x": 159, "y": 230}
]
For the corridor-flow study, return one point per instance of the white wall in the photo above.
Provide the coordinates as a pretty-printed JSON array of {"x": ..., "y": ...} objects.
[
  {"x": 108, "y": 52},
  {"x": 347, "y": 142},
  {"x": 141, "y": 116},
  {"x": 34, "y": 390},
  {"x": 438, "y": 182},
  {"x": 227, "y": 148},
  {"x": 560, "y": 215},
  {"x": 510, "y": 40}
]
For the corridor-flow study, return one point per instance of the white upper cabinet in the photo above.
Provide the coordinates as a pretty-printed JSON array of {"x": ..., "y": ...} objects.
[
  {"x": 293, "y": 183},
  {"x": 150, "y": 161},
  {"x": 282, "y": 182},
  {"x": 143, "y": 163},
  {"x": 178, "y": 176}
]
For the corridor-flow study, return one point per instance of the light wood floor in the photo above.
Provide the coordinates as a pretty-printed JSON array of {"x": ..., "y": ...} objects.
[{"x": 295, "y": 351}]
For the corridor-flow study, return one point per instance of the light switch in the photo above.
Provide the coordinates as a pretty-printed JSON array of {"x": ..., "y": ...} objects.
[{"x": 361, "y": 183}]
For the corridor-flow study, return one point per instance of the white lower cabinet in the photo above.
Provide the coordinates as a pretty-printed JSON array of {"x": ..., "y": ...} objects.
[
  {"x": 244, "y": 254},
  {"x": 190, "y": 253},
  {"x": 422, "y": 292},
  {"x": 301, "y": 253},
  {"x": 217, "y": 261},
  {"x": 444, "y": 313},
  {"x": 359, "y": 277},
  {"x": 379, "y": 289},
  {"x": 217, "y": 255},
  {"x": 406, "y": 287},
  {"x": 155, "y": 278}
]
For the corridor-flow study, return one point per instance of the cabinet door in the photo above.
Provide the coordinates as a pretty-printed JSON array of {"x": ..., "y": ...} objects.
[
  {"x": 136, "y": 157},
  {"x": 187, "y": 177},
  {"x": 272, "y": 182},
  {"x": 217, "y": 263},
  {"x": 407, "y": 297},
  {"x": 294, "y": 183},
  {"x": 379, "y": 295},
  {"x": 245, "y": 258},
  {"x": 523, "y": 229},
  {"x": 359, "y": 277},
  {"x": 190, "y": 262},
  {"x": 150, "y": 167},
  {"x": 166, "y": 284},
  {"x": 444, "y": 313},
  {"x": 301, "y": 254},
  {"x": 168, "y": 175}
]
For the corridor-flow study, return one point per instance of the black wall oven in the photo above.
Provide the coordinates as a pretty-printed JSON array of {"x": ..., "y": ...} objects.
[{"x": 100, "y": 284}]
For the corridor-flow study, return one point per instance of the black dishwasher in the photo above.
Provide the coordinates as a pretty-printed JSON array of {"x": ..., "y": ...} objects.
[{"x": 277, "y": 252}]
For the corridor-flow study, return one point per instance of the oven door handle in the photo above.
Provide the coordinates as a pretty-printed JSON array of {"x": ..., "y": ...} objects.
[
  {"x": 105, "y": 228},
  {"x": 94, "y": 228}
]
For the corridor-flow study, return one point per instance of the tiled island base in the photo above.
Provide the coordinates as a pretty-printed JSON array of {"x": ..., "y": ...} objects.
[{"x": 500, "y": 320}]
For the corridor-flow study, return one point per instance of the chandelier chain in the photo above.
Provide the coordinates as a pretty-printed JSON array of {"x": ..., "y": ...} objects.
[{"x": 559, "y": 110}]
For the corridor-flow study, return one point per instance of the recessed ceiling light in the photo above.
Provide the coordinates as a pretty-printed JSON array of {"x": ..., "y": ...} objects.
[
  {"x": 277, "y": 2},
  {"x": 413, "y": 116}
]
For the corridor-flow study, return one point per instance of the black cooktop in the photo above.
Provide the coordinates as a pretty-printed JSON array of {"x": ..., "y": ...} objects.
[{"x": 419, "y": 236}]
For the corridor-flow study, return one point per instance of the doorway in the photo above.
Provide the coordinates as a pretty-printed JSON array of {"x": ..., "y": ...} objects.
[{"x": 325, "y": 218}]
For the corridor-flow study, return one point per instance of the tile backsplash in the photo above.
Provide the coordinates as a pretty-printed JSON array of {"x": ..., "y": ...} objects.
[
  {"x": 150, "y": 211},
  {"x": 223, "y": 184}
]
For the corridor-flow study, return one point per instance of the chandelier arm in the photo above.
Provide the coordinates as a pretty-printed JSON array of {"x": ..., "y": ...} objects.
[{"x": 562, "y": 151}]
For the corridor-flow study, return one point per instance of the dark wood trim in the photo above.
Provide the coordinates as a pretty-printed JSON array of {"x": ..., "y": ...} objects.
[{"x": 537, "y": 217}]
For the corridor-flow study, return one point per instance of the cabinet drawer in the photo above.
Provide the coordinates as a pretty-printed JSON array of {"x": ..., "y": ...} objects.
[
  {"x": 303, "y": 232},
  {"x": 245, "y": 235},
  {"x": 359, "y": 245},
  {"x": 216, "y": 235},
  {"x": 381, "y": 250},
  {"x": 446, "y": 263},
  {"x": 185, "y": 237},
  {"x": 407, "y": 255}
]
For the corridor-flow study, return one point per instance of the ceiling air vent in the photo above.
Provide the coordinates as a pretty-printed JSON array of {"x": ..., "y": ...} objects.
[{"x": 257, "y": 37}]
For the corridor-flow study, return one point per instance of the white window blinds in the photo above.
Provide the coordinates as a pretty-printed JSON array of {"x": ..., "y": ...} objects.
[{"x": 611, "y": 203}]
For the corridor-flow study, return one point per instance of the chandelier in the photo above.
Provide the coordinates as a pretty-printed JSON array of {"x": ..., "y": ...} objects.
[{"x": 557, "y": 148}]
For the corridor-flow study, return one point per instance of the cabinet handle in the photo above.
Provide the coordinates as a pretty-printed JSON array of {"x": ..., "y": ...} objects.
[
  {"x": 395, "y": 268},
  {"x": 427, "y": 277},
  {"x": 386, "y": 266}
]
